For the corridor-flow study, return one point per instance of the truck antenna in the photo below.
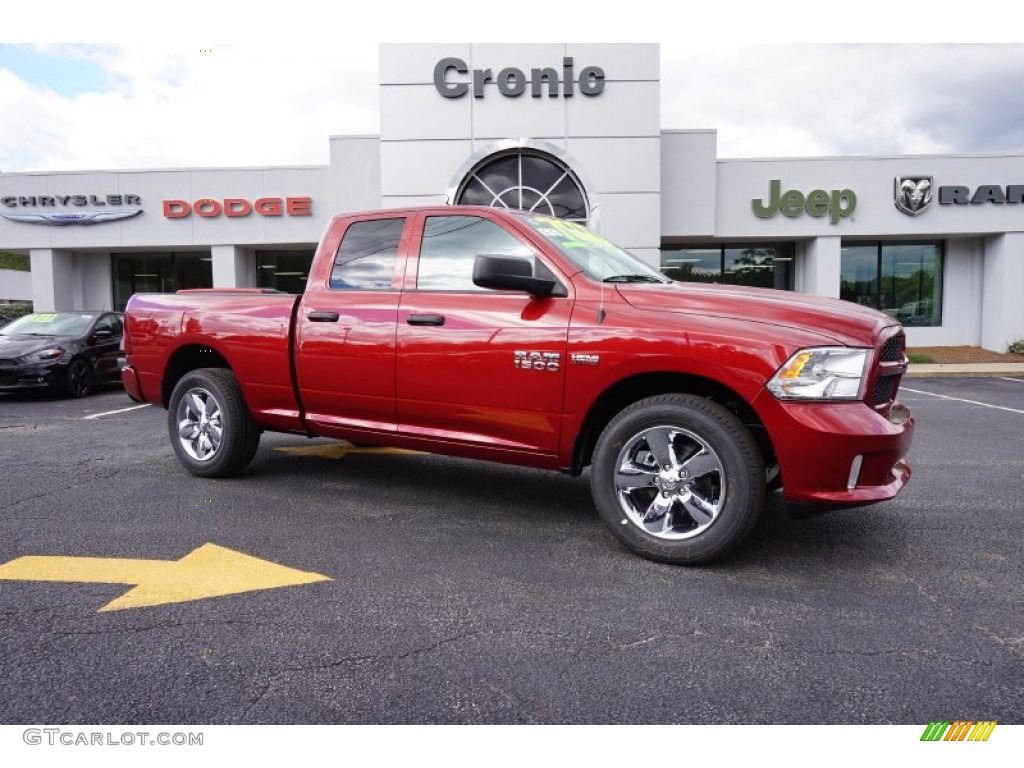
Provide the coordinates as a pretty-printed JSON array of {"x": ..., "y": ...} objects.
[{"x": 600, "y": 310}]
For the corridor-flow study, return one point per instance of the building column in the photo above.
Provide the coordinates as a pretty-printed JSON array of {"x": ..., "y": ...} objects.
[
  {"x": 97, "y": 280},
  {"x": 53, "y": 280},
  {"x": 232, "y": 267},
  {"x": 819, "y": 268},
  {"x": 1002, "y": 312}
]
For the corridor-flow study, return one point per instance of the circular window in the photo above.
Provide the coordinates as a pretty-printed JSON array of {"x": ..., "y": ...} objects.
[{"x": 525, "y": 180}]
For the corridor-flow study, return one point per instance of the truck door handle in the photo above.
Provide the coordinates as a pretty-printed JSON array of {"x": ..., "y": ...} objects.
[
  {"x": 425, "y": 319},
  {"x": 323, "y": 317}
]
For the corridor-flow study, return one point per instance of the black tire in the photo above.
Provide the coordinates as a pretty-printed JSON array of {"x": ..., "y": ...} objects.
[
  {"x": 77, "y": 379},
  {"x": 678, "y": 479},
  {"x": 211, "y": 430}
]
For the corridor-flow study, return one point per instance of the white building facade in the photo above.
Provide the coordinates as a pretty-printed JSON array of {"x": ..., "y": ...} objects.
[{"x": 564, "y": 129}]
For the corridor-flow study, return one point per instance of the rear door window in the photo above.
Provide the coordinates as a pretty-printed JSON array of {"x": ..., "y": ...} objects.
[{"x": 366, "y": 257}]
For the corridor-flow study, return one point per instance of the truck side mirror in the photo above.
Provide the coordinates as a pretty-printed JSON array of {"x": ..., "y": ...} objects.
[{"x": 508, "y": 273}]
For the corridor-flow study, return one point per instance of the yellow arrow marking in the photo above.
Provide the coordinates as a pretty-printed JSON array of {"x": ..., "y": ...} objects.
[
  {"x": 209, "y": 571},
  {"x": 338, "y": 450}
]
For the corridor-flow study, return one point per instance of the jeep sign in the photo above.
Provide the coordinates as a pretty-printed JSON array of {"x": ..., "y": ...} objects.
[{"x": 837, "y": 204}]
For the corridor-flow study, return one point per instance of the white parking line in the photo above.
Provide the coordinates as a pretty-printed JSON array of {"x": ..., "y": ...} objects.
[
  {"x": 119, "y": 410},
  {"x": 962, "y": 400},
  {"x": 1007, "y": 378}
]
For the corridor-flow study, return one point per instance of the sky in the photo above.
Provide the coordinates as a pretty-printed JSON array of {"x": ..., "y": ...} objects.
[{"x": 161, "y": 96}]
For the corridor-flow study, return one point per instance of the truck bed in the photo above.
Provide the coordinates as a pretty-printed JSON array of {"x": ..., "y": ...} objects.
[{"x": 251, "y": 330}]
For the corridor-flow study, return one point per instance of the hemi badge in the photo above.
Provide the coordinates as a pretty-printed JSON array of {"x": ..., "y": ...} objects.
[{"x": 579, "y": 359}]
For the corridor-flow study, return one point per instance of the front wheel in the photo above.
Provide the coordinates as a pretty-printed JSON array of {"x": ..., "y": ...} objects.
[
  {"x": 211, "y": 430},
  {"x": 77, "y": 379},
  {"x": 678, "y": 478}
]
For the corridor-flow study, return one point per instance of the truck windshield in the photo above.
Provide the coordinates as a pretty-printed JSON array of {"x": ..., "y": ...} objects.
[{"x": 597, "y": 257}]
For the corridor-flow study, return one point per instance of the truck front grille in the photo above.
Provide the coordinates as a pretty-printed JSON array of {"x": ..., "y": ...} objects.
[
  {"x": 892, "y": 350},
  {"x": 892, "y": 364},
  {"x": 884, "y": 391}
]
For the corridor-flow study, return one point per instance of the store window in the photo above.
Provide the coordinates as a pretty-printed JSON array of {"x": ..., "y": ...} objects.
[
  {"x": 525, "y": 180},
  {"x": 763, "y": 265},
  {"x": 158, "y": 273},
  {"x": 903, "y": 280},
  {"x": 283, "y": 270}
]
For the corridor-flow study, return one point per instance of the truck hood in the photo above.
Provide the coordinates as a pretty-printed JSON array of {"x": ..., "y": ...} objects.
[{"x": 842, "y": 321}]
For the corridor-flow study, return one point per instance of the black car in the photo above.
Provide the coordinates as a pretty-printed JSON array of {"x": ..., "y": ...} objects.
[
  {"x": 66, "y": 352},
  {"x": 4, "y": 320}
]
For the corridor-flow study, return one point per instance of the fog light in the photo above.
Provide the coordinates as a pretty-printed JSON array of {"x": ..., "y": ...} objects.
[
  {"x": 900, "y": 469},
  {"x": 899, "y": 414}
]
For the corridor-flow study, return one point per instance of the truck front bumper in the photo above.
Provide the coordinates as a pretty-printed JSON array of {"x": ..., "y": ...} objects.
[{"x": 838, "y": 453}]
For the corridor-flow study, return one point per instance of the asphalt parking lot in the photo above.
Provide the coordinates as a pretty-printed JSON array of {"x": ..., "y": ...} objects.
[{"x": 462, "y": 592}]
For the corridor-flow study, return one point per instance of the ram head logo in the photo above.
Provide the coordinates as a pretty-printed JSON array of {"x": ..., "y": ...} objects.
[{"x": 913, "y": 194}]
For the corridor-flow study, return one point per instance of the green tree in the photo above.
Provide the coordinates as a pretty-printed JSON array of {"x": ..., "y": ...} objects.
[{"x": 16, "y": 261}]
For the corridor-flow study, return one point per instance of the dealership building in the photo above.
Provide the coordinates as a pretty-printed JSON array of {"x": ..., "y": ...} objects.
[{"x": 563, "y": 129}]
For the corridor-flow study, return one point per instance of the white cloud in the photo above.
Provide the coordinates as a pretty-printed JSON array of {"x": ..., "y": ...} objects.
[
  {"x": 774, "y": 100},
  {"x": 182, "y": 106},
  {"x": 203, "y": 104}
]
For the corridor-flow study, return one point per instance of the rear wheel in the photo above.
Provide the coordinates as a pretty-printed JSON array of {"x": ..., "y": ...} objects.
[
  {"x": 211, "y": 430},
  {"x": 678, "y": 479}
]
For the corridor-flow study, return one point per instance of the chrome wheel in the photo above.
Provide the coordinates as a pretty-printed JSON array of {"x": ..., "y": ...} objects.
[
  {"x": 210, "y": 427},
  {"x": 670, "y": 482},
  {"x": 678, "y": 478},
  {"x": 200, "y": 430}
]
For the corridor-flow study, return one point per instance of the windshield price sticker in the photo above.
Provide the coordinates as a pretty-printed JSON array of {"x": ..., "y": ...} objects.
[{"x": 569, "y": 234}]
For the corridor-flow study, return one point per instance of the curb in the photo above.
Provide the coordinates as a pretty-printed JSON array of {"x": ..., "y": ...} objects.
[{"x": 965, "y": 369}]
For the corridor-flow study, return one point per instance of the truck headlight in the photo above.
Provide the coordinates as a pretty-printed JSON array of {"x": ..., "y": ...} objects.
[{"x": 821, "y": 373}]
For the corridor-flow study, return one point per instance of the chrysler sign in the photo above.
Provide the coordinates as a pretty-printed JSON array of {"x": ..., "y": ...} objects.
[
  {"x": 54, "y": 201},
  {"x": 54, "y": 208}
]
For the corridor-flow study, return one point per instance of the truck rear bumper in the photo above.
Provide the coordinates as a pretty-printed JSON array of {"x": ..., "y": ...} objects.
[
  {"x": 131, "y": 384},
  {"x": 838, "y": 454}
]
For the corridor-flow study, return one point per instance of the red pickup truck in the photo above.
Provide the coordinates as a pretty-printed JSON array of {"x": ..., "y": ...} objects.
[{"x": 530, "y": 340}]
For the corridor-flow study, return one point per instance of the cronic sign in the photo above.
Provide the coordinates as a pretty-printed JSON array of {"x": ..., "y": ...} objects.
[{"x": 452, "y": 79}]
